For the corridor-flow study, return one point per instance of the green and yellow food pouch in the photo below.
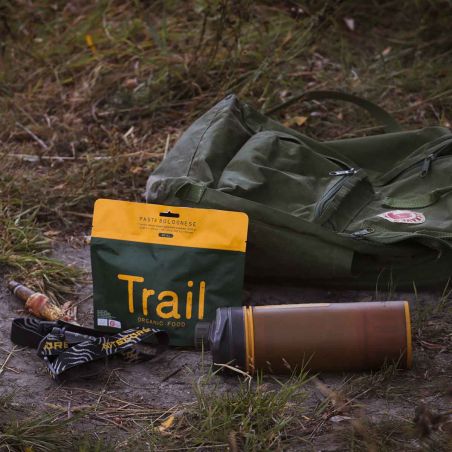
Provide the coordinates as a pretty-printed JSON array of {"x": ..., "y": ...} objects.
[{"x": 165, "y": 267}]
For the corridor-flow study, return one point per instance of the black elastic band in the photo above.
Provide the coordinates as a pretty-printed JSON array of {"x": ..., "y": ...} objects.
[
  {"x": 28, "y": 331},
  {"x": 64, "y": 345}
]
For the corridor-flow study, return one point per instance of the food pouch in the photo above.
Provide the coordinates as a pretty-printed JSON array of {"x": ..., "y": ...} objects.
[{"x": 165, "y": 267}]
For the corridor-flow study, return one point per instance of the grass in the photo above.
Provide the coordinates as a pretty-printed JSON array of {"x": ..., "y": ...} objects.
[
  {"x": 253, "y": 417},
  {"x": 431, "y": 321},
  {"x": 390, "y": 435},
  {"x": 250, "y": 414},
  {"x": 256, "y": 415},
  {"x": 24, "y": 254},
  {"x": 383, "y": 383},
  {"x": 40, "y": 433},
  {"x": 46, "y": 432},
  {"x": 93, "y": 93}
]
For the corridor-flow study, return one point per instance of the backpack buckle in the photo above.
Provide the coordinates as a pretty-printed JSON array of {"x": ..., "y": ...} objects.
[{"x": 46, "y": 326}]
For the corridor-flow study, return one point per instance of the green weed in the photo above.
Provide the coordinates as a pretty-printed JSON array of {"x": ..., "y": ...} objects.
[
  {"x": 387, "y": 382},
  {"x": 24, "y": 254},
  {"x": 255, "y": 416},
  {"x": 431, "y": 319},
  {"x": 40, "y": 432}
]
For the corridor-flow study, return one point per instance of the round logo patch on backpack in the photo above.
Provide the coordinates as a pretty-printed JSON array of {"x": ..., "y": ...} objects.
[{"x": 403, "y": 216}]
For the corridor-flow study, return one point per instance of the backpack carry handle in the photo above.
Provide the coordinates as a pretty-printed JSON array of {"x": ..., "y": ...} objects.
[{"x": 382, "y": 116}]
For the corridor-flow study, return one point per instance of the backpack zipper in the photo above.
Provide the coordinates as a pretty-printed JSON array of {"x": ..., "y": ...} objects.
[
  {"x": 428, "y": 164},
  {"x": 348, "y": 172},
  {"x": 331, "y": 192},
  {"x": 362, "y": 233},
  {"x": 425, "y": 162}
]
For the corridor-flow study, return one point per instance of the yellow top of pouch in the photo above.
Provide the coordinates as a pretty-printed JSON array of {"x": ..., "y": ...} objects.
[{"x": 169, "y": 225}]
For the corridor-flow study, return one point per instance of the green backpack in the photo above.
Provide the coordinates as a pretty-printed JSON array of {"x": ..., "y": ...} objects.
[{"x": 347, "y": 213}]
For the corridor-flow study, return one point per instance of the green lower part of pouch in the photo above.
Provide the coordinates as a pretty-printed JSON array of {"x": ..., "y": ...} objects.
[{"x": 165, "y": 287}]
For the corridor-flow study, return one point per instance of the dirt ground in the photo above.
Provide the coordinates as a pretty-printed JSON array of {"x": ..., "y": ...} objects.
[{"x": 167, "y": 383}]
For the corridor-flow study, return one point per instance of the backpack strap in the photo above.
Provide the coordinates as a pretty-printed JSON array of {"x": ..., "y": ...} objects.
[{"x": 380, "y": 115}]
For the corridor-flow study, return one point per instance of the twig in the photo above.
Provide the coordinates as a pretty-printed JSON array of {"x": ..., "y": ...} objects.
[
  {"x": 167, "y": 377},
  {"x": 166, "y": 146},
  {"x": 36, "y": 158},
  {"x": 73, "y": 305},
  {"x": 176, "y": 356},
  {"x": 35, "y": 137},
  {"x": 146, "y": 428},
  {"x": 422, "y": 102},
  {"x": 74, "y": 409},
  {"x": 79, "y": 214},
  {"x": 8, "y": 351},
  {"x": 235, "y": 369},
  {"x": 111, "y": 421},
  {"x": 8, "y": 357},
  {"x": 211, "y": 446},
  {"x": 103, "y": 390}
]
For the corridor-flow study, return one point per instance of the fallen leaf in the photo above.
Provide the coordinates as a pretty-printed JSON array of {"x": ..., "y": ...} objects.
[
  {"x": 287, "y": 38},
  {"x": 316, "y": 113},
  {"x": 283, "y": 94},
  {"x": 338, "y": 418},
  {"x": 350, "y": 23},
  {"x": 90, "y": 43},
  {"x": 52, "y": 233},
  {"x": 130, "y": 83},
  {"x": 232, "y": 440},
  {"x": 296, "y": 120},
  {"x": 337, "y": 399},
  {"x": 431, "y": 345},
  {"x": 166, "y": 424},
  {"x": 445, "y": 123}
]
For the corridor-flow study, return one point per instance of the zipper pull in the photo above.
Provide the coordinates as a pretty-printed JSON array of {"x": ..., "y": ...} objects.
[
  {"x": 348, "y": 172},
  {"x": 427, "y": 164},
  {"x": 362, "y": 232}
]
